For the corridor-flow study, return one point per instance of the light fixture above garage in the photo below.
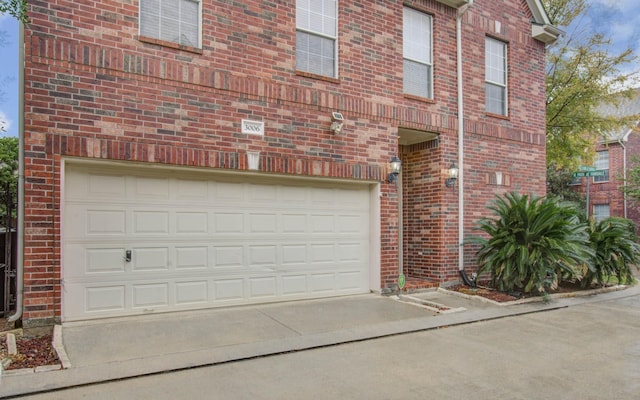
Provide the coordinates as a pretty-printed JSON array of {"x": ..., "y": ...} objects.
[{"x": 337, "y": 121}]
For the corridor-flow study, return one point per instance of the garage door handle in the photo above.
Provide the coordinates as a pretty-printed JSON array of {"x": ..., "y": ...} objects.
[{"x": 127, "y": 255}]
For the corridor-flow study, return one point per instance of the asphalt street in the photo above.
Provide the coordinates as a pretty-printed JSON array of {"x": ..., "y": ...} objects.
[{"x": 586, "y": 351}]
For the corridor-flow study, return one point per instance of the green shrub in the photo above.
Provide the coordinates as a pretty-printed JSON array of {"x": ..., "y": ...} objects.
[
  {"x": 616, "y": 250},
  {"x": 532, "y": 243}
]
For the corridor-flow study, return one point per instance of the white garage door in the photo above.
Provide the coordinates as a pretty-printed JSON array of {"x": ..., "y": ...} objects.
[{"x": 140, "y": 241}]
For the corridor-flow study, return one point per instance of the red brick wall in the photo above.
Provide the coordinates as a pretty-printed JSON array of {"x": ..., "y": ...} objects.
[{"x": 92, "y": 89}]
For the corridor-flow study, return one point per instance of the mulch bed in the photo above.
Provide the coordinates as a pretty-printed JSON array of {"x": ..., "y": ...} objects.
[
  {"x": 32, "y": 352},
  {"x": 484, "y": 290}
]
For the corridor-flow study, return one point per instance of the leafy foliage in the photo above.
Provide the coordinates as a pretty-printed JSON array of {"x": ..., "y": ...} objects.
[
  {"x": 558, "y": 186},
  {"x": 16, "y": 8},
  {"x": 532, "y": 243},
  {"x": 8, "y": 163},
  {"x": 8, "y": 176},
  {"x": 582, "y": 74},
  {"x": 632, "y": 183},
  {"x": 616, "y": 250}
]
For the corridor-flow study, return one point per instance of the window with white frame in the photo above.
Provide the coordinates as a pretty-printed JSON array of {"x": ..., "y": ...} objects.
[
  {"x": 175, "y": 21},
  {"x": 316, "y": 36},
  {"x": 602, "y": 163},
  {"x": 417, "y": 53},
  {"x": 495, "y": 76},
  {"x": 600, "y": 212}
]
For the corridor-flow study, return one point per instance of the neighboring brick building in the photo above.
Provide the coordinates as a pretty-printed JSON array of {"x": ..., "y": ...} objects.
[
  {"x": 184, "y": 154},
  {"x": 615, "y": 153}
]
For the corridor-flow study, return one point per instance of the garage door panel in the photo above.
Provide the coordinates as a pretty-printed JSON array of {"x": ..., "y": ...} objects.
[
  {"x": 192, "y": 191},
  {"x": 192, "y": 293},
  {"x": 150, "y": 295},
  {"x": 151, "y": 189},
  {"x": 226, "y": 193},
  {"x": 150, "y": 259},
  {"x": 229, "y": 289},
  {"x": 294, "y": 223},
  {"x": 228, "y": 222},
  {"x": 260, "y": 287},
  {"x": 191, "y": 222},
  {"x": 262, "y": 194},
  {"x": 349, "y": 280},
  {"x": 104, "y": 260},
  {"x": 150, "y": 222},
  {"x": 322, "y": 223},
  {"x": 294, "y": 254},
  {"x": 294, "y": 285},
  {"x": 83, "y": 186},
  {"x": 204, "y": 242},
  {"x": 262, "y": 223},
  {"x": 228, "y": 256},
  {"x": 103, "y": 299},
  {"x": 322, "y": 282},
  {"x": 192, "y": 257}
]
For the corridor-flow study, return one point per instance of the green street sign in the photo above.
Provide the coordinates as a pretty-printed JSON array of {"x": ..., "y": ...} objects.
[
  {"x": 401, "y": 281},
  {"x": 584, "y": 168},
  {"x": 599, "y": 172}
]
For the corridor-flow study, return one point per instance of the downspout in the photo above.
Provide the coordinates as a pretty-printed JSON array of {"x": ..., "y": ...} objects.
[
  {"x": 20, "y": 227},
  {"x": 624, "y": 175},
  {"x": 461, "y": 11}
]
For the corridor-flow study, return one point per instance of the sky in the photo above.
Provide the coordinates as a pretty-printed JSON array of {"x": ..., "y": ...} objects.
[
  {"x": 9, "y": 75},
  {"x": 618, "y": 20}
]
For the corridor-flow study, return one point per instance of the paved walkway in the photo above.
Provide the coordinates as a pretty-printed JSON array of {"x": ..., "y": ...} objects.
[{"x": 114, "y": 349}]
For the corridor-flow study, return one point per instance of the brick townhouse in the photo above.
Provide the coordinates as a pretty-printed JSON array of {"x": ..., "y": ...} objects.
[
  {"x": 185, "y": 154},
  {"x": 616, "y": 153}
]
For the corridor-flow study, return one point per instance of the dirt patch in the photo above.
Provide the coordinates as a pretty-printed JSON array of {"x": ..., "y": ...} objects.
[
  {"x": 484, "y": 290},
  {"x": 32, "y": 352}
]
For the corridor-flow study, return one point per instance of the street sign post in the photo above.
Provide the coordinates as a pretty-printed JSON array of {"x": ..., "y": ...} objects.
[{"x": 588, "y": 172}]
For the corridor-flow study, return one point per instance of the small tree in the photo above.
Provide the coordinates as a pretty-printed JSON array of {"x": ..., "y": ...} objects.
[
  {"x": 582, "y": 73},
  {"x": 558, "y": 186}
]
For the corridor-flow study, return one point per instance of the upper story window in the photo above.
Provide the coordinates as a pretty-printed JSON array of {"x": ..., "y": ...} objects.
[
  {"x": 174, "y": 21},
  {"x": 316, "y": 37},
  {"x": 495, "y": 76},
  {"x": 602, "y": 163},
  {"x": 417, "y": 50}
]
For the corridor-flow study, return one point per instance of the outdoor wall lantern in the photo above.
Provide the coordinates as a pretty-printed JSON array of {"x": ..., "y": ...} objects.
[
  {"x": 337, "y": 121},
  {"x": 453, "y": 176},
  {"x": 395, "y": 166}
]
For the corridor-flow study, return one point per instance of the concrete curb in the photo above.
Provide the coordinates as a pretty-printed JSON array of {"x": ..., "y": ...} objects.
[{"x": 537, "y": 299}]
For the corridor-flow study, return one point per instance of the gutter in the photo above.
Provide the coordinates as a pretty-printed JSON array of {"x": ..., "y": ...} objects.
[
  {"x": 20, "y": 227},
  {"x": 461, "y": 11}
]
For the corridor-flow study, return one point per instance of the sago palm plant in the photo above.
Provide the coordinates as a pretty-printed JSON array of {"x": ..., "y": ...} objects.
[
  {"x": 531, "y": 243},
  {"x": 616, "y": 250}
]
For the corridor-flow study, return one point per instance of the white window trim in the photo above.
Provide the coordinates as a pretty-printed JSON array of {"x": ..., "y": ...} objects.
[
  {"x": 505, "y": 110},
  {"x": 404, "y": 56},
  {"x": 597, "y": 217},
  {"x": 199, "y": 45},
  {"x": 323, "y": 35},
  {"x": 606, "y": 178}
]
